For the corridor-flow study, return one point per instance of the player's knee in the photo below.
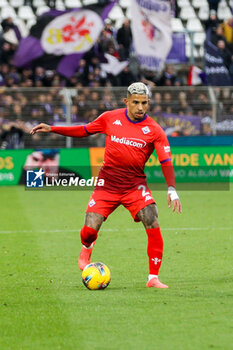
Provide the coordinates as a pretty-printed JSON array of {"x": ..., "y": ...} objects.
[
  {"x": 151, "y": 223},
  {"x": 94, "y": 220},
  {"x": 149, "y": 216},
  {"x": 88, "y": 235},
  {"x": 151, "y": 220}
]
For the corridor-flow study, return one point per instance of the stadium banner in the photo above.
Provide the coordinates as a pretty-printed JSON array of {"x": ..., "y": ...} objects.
[
  {"x": 171, "y": 123},
  {"x": 152, "y": 32},
  {"x": 14, "y": 164},
  {"x": 60, "y": 38},
  {"x": 177, "y": 53},
  {"x": 196, "y": 165},
  {"x": 192, "y": 164},
  {"x": 11, "y": 166},
  {"x": 96, "y": 159},
  {"x": 225, "y": 126},
  {"x": 217, "y": 73}
]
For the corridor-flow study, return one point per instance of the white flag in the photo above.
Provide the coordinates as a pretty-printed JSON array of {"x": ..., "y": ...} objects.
[
  {"x": 113, "y": 66},
  {"x": 152, "y": 33}
]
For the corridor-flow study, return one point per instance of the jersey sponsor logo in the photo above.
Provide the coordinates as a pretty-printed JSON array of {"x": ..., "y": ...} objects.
[
  {"x": 148, "y": 198},
  {"x": 117, "y": 122},
  {"x": 156, "y": 260},
  {"x": 146, "y": 130},
  {"x": 166, "y": 149},
  {"x": 138, "y": 143},
  {"x": 91, "y": 203}
]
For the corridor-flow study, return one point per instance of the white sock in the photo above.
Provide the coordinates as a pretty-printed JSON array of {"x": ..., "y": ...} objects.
[
  {"x": 151, "y": 276},
  {"x": 91, "y": 246}
]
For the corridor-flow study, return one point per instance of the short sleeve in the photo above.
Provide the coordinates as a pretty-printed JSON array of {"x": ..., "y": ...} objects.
[
  {"x": 97, "y": 126},
  {"x": 162, "y": 146}
]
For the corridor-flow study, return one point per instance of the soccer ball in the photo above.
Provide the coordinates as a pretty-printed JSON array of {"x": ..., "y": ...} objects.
[{"x": 96, "y": 276}]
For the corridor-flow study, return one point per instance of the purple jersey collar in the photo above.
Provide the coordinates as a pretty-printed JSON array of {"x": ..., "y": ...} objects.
[{"x": 131, "y": 121}]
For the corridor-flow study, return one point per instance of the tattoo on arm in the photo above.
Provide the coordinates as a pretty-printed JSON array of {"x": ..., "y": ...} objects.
[
  {"x": 94, "y": 220},
  {"x": 149, "y": 216}
]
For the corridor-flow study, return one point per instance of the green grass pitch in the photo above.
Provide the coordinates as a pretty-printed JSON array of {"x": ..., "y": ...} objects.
[{"x": 44, "y": 305}]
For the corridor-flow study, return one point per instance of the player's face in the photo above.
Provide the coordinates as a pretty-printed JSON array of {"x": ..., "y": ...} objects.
[{"x": 137, "y": 106}]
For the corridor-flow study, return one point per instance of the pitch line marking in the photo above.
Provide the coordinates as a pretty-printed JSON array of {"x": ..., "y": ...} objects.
[{"x": 116, "y": 229}]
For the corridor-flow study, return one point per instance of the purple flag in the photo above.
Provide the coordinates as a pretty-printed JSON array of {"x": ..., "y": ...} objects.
[
  {"x": 60, "y": 38},
  {"x": 177, "y": 53},
  {"x": 216, "y": 71}
]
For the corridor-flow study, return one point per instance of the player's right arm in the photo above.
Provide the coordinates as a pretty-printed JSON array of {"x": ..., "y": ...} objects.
[
  {"x": 97, "y": 126},
  {"x": 40, "y": 128},
  {"x": 73, "y": 131}
]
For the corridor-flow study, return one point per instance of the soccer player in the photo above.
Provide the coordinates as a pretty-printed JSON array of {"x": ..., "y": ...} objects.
[{"x": 131, "y": 138}]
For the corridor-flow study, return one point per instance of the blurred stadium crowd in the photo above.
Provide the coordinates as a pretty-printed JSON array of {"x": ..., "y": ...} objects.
[{"x": 20, "y": 110}]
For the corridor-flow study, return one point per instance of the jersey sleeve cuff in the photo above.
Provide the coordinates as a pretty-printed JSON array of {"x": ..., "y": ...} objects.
[
  {"x": 165, "y": 160},
  {"x": 89, "y": 133}
]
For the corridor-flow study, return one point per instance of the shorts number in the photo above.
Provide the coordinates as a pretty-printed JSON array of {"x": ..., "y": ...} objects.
[{"x": 143, "y": 188}]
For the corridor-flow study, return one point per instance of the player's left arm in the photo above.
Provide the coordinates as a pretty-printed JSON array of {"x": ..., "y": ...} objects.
[{"x": 163, "y": 151}]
